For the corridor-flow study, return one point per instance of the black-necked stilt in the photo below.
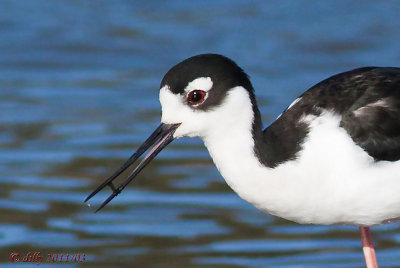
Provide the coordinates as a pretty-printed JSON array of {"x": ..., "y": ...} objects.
[{"x": 332, "y": 157}]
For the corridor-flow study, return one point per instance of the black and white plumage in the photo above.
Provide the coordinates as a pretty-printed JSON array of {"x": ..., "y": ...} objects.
[
  {"x": 331, "y": 157},
  {"x": 368, "y": 102}
]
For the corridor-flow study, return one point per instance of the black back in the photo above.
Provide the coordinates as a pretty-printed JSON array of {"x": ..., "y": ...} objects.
[{"x": 353, "y": 95}]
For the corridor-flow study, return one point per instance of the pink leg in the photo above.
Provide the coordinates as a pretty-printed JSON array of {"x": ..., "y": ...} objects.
[{"x": 368, "y": 248}]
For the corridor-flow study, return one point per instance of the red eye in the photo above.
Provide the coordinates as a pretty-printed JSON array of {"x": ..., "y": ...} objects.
[{"x": 196, "y": 96}]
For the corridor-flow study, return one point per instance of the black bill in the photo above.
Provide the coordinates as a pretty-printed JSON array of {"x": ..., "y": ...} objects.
[{"x": 161, "y": 137}]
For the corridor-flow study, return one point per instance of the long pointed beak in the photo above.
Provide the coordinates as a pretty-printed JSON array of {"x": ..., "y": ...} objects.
[{"x": 161, "y": 137}]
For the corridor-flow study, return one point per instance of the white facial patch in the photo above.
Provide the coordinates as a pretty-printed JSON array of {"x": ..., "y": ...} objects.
[
  {"x": 201, "y": 83},
  {"x": 175, "y": 109},
  {"x": 171, "y": 106}
]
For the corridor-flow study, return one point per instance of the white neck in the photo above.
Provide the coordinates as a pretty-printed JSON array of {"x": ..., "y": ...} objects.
[{"x": 231, "y": 146}]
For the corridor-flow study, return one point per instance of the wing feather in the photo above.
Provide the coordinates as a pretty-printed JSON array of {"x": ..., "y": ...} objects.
[{"x": 373, "y": 121}]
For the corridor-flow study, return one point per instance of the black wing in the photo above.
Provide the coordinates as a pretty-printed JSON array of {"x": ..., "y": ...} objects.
[
  {"x": 368, "y": 99},
  {"x": 373, "y": 121}
]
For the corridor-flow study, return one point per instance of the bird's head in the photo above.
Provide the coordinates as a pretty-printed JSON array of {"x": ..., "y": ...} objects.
[
  {"x": 204, "y": 93},
  {"x": 200, "y": 95}
]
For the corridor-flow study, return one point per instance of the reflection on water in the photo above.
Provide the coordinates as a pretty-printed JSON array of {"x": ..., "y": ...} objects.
[{"x": 78, "y": 93}]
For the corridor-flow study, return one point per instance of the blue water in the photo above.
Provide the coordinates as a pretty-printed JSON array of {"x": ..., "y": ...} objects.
[{"x": 79, "y": 92}]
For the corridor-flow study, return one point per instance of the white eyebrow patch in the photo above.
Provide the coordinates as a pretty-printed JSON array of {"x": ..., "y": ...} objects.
[{"x": 201, "y": 83}]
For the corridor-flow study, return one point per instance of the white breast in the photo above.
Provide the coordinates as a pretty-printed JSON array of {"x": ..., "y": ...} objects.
[{"x": 332, "y": 181}]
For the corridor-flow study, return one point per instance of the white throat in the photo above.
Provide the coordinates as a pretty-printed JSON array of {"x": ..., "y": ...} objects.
[{"x": 231, "y": 145}]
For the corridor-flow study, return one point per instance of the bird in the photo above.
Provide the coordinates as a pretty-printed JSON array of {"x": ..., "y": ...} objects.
[{"x": 331, "y": 157}]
